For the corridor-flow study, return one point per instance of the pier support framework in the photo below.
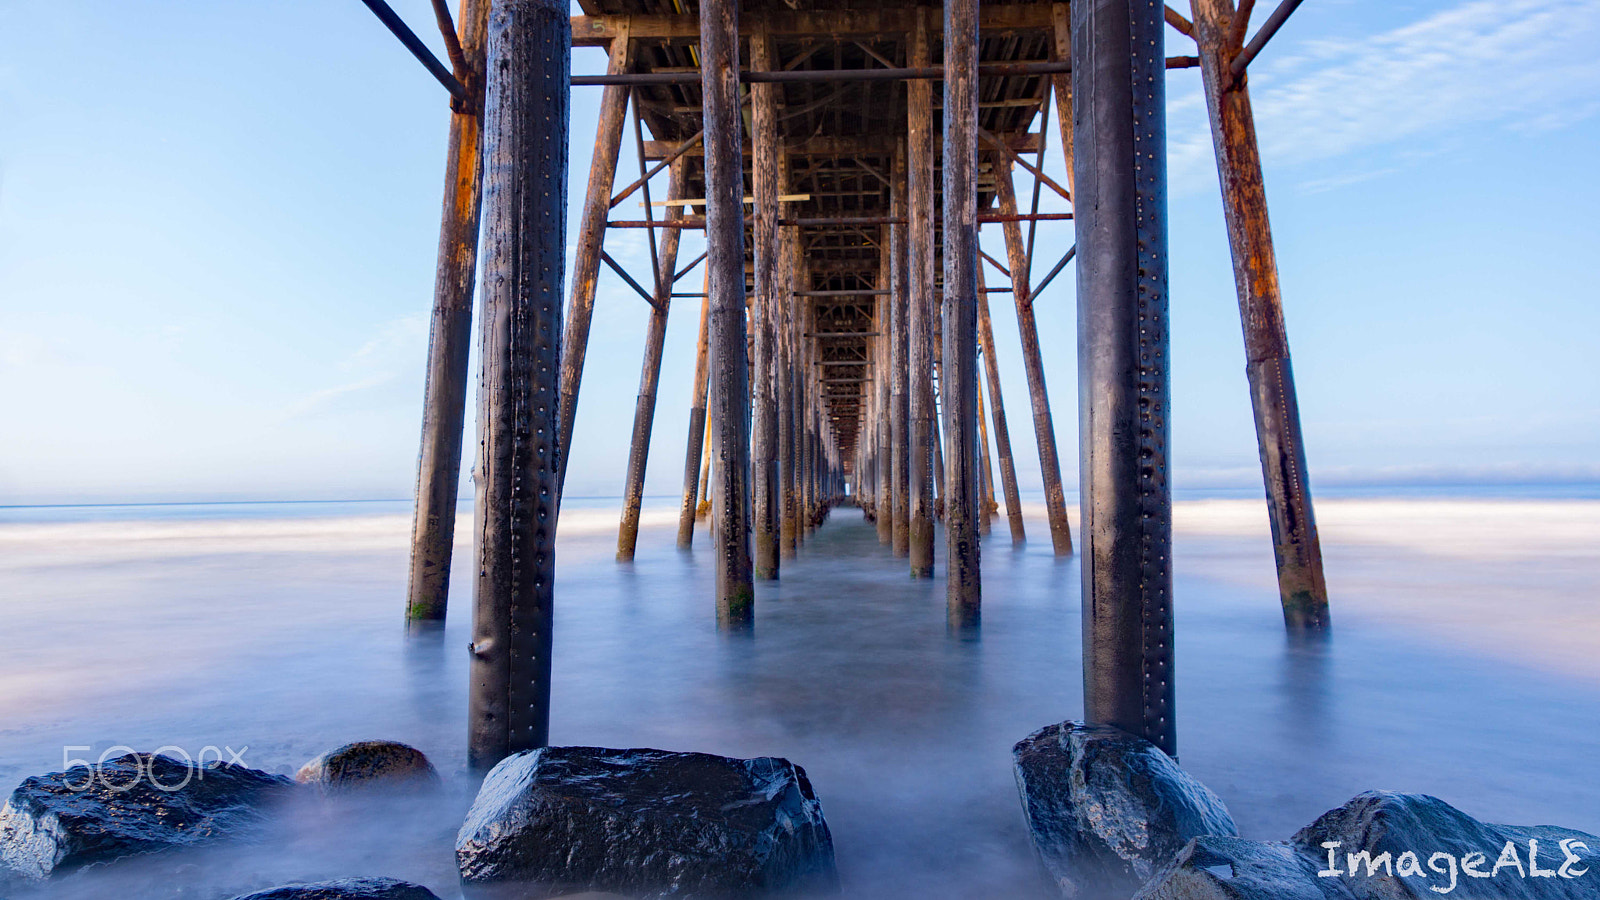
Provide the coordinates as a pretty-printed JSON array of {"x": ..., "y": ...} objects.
[{"x": 843, "y": 311}]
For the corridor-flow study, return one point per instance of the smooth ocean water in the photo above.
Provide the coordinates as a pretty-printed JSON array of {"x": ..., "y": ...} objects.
[{"x": 1465, "y": 662}]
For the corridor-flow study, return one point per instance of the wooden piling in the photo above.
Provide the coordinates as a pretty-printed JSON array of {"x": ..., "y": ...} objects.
[
  {"x": 591, "y": 237},
  {"x": 449, "y": 353},
  {"x": 920, "y": 174},
  {"x": 689, "y": 511},
  {"x": 1119, "y": 99},
  {"x": 899, "y": 360},
  {"x": 766, "y": 161},
  {"x": 525, "y": 166},
  {"x": 959, "y": 317},
  {"x": 1002, "y": 434},
  {"x": 986, "y": 504},
  {"x": 1061, "y": 83},
  {"x": 1301, "y": 585},
  {"x": 730, "y": 388},
  {"x": 882, "y": 381},
  {"x": 644, "y": 409},
  {"x": 1044, "y": 431},
  {"x": 788, "y": 413}
]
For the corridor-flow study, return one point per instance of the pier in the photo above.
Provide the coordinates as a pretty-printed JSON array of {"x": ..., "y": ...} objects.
[{"x": 841, "y": 164}]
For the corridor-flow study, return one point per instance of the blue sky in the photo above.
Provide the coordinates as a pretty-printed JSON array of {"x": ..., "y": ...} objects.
[{"x": 218, "y": 222}]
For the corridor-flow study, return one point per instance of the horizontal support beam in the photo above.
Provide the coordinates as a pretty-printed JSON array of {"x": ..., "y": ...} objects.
[
  {"x": 697, "y": 222},
  {"x": 841, "y": 334},
  {"x": 864, "y": 292},
  {"x": 806, "y": 76},
  {"x": 701, "y": 201},
  {"x": 841, "y": 146},
  {"x": 597, "y": 31}
]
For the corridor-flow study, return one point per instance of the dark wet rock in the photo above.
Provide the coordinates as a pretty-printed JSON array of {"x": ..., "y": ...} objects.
[
  {"x": 369, "y": 763},
  {"x": 1406, "y": 846},
  {"x": 137, "y": 803},
  {"x": 646, "y": 823},
  {"x": 346, "y": 889},
  {"x": 1106, "y": 810}
]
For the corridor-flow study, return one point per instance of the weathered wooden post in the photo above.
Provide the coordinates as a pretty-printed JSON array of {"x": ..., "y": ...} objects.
[
  {"x": 1061, "y": 84},
  {"x": 1301, "y": 586},
  {"x": 1119, "y": 103},
  {"x": 808, "y": 423},
  {"x": 591, "y": 236},
  {"x": 766, "y": 160},
  {"x": 937, "y": 439},
  {"x": 1044, "y": 428},
  {"x": 689, "y": 511},
  {"x": 920, "y": 174},
  {"x": 882, "y": 379},
  {"x": 644, "y": 410},
  {"x": 525, "y": 165},
  {"x": 958, "y": 366},
  {"x": 730, "y": 387},
  {"x": 985, "y": 472},
  {"x": 997, "y": 407},
  {"x": 788, "y": 417},
  {"x": 899, "y": 359},
  {"x": 449, "y": 354}
]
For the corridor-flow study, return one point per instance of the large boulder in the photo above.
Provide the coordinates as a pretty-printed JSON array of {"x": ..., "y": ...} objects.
[
  {"x": 133, "y": 804},
  {"x": 137, "y": 803},
  {"x": 369, "y": 764},
  {"x": 1382, "y": 846},
  {"x": 1106, "y": 810},
  {"x": 346, "y": 889},
  {"x": 646, "y": 823}
]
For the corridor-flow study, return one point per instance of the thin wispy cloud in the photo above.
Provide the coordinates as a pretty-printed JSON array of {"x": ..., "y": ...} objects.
[
  {"x": 397, "y": 346},
  {"x": 1519, "y": 64}
]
